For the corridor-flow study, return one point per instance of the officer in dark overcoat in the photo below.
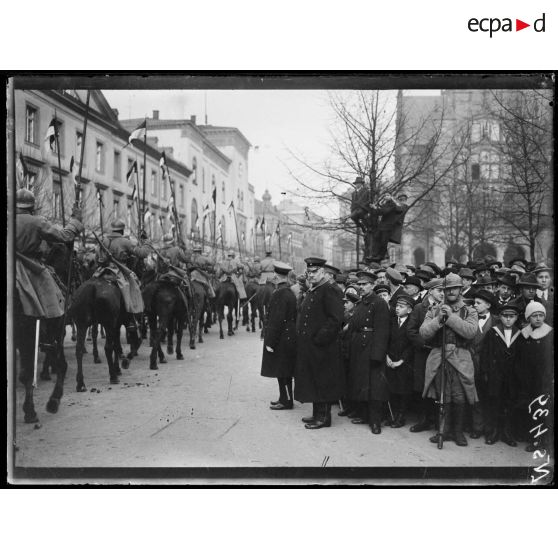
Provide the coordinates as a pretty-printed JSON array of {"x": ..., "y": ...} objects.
[
  {"x": 369, "y": 336},
  {"x": 279, "y": 352},
  {"x": 319, "y": 377}
]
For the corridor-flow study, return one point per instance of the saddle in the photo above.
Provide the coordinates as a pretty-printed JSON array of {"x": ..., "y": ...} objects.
[{"x": 106, "y": 274}]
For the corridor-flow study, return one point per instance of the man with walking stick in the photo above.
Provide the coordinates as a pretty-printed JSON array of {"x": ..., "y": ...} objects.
[{"x": 449, "y": 375}]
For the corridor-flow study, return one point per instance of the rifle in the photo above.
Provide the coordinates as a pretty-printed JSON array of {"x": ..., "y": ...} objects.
[
  {"x": 441, "y": 402},
  {"x": 120, "y": 266}
]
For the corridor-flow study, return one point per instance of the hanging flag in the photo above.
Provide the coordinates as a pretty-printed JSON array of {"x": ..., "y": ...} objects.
[
  {"x": 214, "y": 195},
  {"x": 22, "y": 171},
  {"x": 138, "y": 132},
  {"x": 132, "y": 169},
  {"x": 147, "y": 215},
  {"x": 51, "y": 134},
  {"x": 262, "y": 225},
  {"x": 268, "y": 239},
  {"x": 74, "y": 170},
  {"x": 100, "y": 197},
  {"x": 278, "y": 229},
  {"x": 306, "y": 213},
  {"x": 257, "y": 223},
  {"x": 290, "y": 238},
  {"x": 163, "y": 163}
]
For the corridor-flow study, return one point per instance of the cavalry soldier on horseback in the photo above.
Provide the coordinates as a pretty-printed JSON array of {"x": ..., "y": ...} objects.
[
  {"x": 199, "y": 267},
  {"x": 172, "y": 268},
  {"x": 226, "y": 270},
  {"x": 254, "y": 269},
  {"x": 267, "y": 268},
  {"x": 38, "y": 289},
  {"x": 122, "y": 249}
]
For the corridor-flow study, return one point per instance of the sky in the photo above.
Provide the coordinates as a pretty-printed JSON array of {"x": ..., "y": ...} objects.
[{"x": 281, "y": 125}]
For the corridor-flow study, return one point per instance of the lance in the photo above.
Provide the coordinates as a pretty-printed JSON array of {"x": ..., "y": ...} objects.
[
  {"x": 140, "y": 221},
  {"x": 101, "y": 205},
  {"x": 236, "y": 227},
  {"x": 279, "y": 237},
  {"x": 144, "y": 172},
  {"x": 442, "y": 402},
  {"x": 57, "y": 142},
  {"x": 37, "y": 333},
  {"x": 255, "y": 239},
  {"x": 70, "y": 245},
  {"x": 177, "y": 228}
]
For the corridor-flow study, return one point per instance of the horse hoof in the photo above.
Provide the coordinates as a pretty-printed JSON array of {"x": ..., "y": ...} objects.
[
  {"x": 163, "y": 360},
  {"x": 180, "y": 356},
  {"x": 81, "y": 389},
  {"x": 97, "y": 360},
  {"x": 85, "y": 351},
  {"x": 206, "y": 331},
  {"x": 200, "y": 340},
  {"x": 125, "y": 364},
  {"x": 45, "y": 376},
  {"x": 114, "y": 380},
  {"x": 30, "y": 419},
  {"x": 230, "y": 333},
  {"x": 52, "y": 405},
  {"x": 193, "y": 347},
  {"x": 153, "y": 367},
  {"x": 170, "y": 350},
  {"x": 221, "y": 336}
]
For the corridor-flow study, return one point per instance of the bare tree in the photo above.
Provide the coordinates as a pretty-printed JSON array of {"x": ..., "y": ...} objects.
[{"x": 526, "y": 151}]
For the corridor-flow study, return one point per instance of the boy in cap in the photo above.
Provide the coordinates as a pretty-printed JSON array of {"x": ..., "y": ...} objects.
[
  {"x": 279, "y": 353},
  {"x": 536, "y": 369},
  {"x": 383, "y": 292},
  {"x": 498, "y": 362},
  {"x": 461, "y": 325},
  {"x": 412, "y": 287},
  {"x": 350, "y": 299},
  {"x": 319, "y": 375},
  {"x": 506, "y": 289},
  {"x": 528, "y": 286},
  {"x": 421, "y": 349},
  {"x": 545, "y": 292},
  {"x": 399, "y": 360}
]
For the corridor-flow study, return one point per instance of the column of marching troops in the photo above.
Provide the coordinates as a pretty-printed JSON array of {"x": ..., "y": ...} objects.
[{"x": 371, "y": 341}]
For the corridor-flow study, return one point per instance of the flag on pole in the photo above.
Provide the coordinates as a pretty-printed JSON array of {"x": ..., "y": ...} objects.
[
  {"x": 278, "y": 229},
  {"x": 100, "y": 197},
  {"x": 147, "y": 215},
  {"x": 214, "y": 195},
  {"x": 74, "y": 170},
  {"x": 257, "y": 223},
  {"x": 138, "y": 132},
  {"x": 51, "y": 134},
  {"x": 21, "y": 168},
  {"x": 163, "y": 163},
  {"x": 290, "y": 238},
  {"x": 268, "y": 239},
  {"x": 262, "y": 225},
  {"x": 132, "y": 169},
  {"x": 197, "y": 225}
]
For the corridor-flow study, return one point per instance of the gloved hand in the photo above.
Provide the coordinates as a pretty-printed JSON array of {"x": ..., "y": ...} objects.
[{"x": 76, "y": 212}]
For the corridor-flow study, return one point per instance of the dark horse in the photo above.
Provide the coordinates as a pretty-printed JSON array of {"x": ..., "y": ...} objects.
[
  {"x": 52, "y": 341},
  {"x": 227, "y": 296},
  {"x": 251, "y": 288},
  {"x": 166, "y": 312},
  {"x": 263, "y": 299},
  {"x": 99, "y": 301},
  {"x": 199, "y": 308}
]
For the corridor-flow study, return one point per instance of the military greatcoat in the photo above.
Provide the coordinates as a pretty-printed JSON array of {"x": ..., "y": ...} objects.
[
  {"x": 369, "y": 337},
  {"x": 280, "y": 334},
  {"x": 319, "y": 376}
]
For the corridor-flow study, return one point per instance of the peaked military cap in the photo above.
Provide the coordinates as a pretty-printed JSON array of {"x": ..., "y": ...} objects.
[
  {"x": 510, "y": 307},
  {"x": 394, "y": 276},
  {"x": 433, "y": 283},
  {"x": 381, "y": 289},
  {"x": 315, "y": 262},
  {"x": 466, "y": 273},
  {"x": 331, "y": 269},
  {"x": 351, "y": 296},
  {"x": 367, "y": 275},
  {"x": 281, "y": 268},
  {"x": 413, "y": 281},
  {"x": 406, "y": 299}
]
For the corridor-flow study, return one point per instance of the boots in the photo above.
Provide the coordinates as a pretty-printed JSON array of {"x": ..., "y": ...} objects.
[
  {"x": 323, "y": 419},
  {"x": 375, "y": 416},
  {"x": 314, "y": 416},
  {"x": 506, "y": 431},
  {"x": 446, "y": 435},
  {"x": 425, "y": 422},
  {"x": 285, "y": 395},
  {"x": 459, "y": 417}
]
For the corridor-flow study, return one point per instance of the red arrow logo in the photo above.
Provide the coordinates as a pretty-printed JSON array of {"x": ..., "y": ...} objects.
[{"x": 519, "y": 25}]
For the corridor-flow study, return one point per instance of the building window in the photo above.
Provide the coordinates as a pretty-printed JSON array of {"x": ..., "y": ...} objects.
[
  {"x": 475, "y": 171},
  {"x": 79, "y": 138},
  {"x": 195, "y": 170},
  {"x": 490, "y": 165},
  {"x": 223, "y": 192},
  {"x": 194, "y": 214},
  {"x": 212, "y": 184},
  {"x": 116, "y": 208},
  {"x": 485, "y": 130},
  {"x": 31, "y": 123},
  {"x": 153, "y": 183},
  {"x": 99, "y": 157},
  {"x": 117, "y": 171},
  {"x": 181, "y": 188}
]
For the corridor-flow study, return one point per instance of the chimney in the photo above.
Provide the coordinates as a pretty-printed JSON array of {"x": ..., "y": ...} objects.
[
  {"x": 193, "y": 118},
  {"x": 155, "y": 115}
]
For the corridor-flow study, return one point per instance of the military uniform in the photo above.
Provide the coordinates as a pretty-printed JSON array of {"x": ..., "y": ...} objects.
[
  {"x": 199, "y": 271},
  {"x": 279, "y": 350},
  {"x": 227, "y": 269},
  {"x": 38, "y": 291},
  {"x": 122, "y": 250},
  {"x": 267, "y": 269}
]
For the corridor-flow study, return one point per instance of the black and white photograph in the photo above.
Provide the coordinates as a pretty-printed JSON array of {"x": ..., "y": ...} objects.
[{"x": 281, "y": 278}]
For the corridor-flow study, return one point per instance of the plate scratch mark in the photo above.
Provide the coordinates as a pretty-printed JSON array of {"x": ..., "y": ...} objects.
[
  {"x": 230, "y": 427},
  {"x": 166, "y": 426},
  {"x": 229, "y": 390}
]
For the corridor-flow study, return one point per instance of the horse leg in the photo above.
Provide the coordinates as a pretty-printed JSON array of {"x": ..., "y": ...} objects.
[
  {"x": 81, "y": 333},
  {"x": 170, "y": 333},
  {"x": 90, "y": 331},
  {"x": 153, "y": 341},
  {"x": 47, "y": 364},
  {"x": 26, "y": 346},
  {"x": 230, "y": 321},
  {"x": 179, "y": 331},
  {"x": 200, "y": 327},
  {"x": 94, "y": 335},
  {"x": 73, "y": 331},
  {"x": 221, "y": 318},
  {"x": 61, "y": 367},
  {"x": 111, "y": 334}
]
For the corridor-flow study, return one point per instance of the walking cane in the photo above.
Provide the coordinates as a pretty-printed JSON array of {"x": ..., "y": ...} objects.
[
  {"x": 441, "y": 402},
  {"x": 37, "y": 331}
]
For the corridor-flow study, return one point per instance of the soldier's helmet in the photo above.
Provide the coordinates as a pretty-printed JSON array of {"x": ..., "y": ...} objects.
[
  {"x": 25, "y": 199},
  {"x": 168, "y": 238},
  {"x": 118, "y": 225}
]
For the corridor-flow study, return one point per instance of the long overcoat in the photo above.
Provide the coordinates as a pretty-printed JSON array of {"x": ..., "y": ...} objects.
[
  {"x": 400, "y": 379},
  {"x": 38, "y": 291},
  {"x": 319, "y": 374},
  {"x": 421, "y": 347},
  {"x": 280, "y": 334},
  {"x": 369, "y": 337},
  {"x": 462, "y": 326}
]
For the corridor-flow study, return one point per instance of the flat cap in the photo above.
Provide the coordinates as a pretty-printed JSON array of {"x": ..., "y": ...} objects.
[
  {"x": 382, "y": 289},
  {"x": 487, "y": 296},
  {"x": 351, "y": 296},
  {"x": 315, "y": 262},
  {"x": 528, "y": 280},
  {"x": 467, "y": 273},
  {"x": 367, "y": 276},
  {"x": 405, "y": 299},
  {"x": 433, "y": 283},
  {"x": 281, "y": 268},
  {"x": 403, "y": 269},
  {"x": 413, "y": 281},
  {"x": 510, "y": 307}
]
